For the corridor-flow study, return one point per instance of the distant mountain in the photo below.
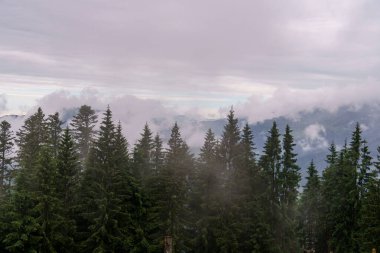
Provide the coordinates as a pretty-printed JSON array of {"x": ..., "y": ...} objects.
[{"x": 313, "y": 131}]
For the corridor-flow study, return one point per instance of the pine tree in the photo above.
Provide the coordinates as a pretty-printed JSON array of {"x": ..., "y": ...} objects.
[
  {"x": 153, "y": 196},
  {"x": 229, "y": 146},
  {"x": 158, "y": 154},
  {"x": 270, "y": 165},
  {"x": 68, "y": 176},
  {"x": 252, "y": 230},
  {"x": 206, "y": 196},
  {"x": 47, "y": 203},
  {"x": 310, "y": 209},
  {"x": 368, "y": 234},
  {"x": 174, "y": 192},
  {"x": 248, "y": 147},
  {"x": 53, "y": 124},
  {"x": 30, "y": 138},
  {"x": 6, "y": 150},
  {"x": 230, "y": 157},
  {"x": 289, "y": 175},
  {"x": 83, "y": 128},
  {"x": 142, "y": 155},
  {"x": 344, "y": 207},
  {"x": 24, "y": 231},
  {"x": 331, "y": 197},
  {"x": 289, "y": 178},
  {"x": 108, "y": 196},
  {"x": 129, "y": 192}
]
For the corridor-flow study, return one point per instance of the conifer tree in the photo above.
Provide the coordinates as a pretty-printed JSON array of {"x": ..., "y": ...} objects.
[
  {"x": 53, "y": 124},
  {"x": 230, "y": 157},
  {"x": 174, "y": 193},
  {"x": 229, "y": 146},
  {"x": 289, "y": 175},
  {"x": 153, "y": 196},
  {"x": 30, "y": 138},
  {"x": 158, "y": 154},
  {"x": 289, "y": 178},
  {"x": 251, "y": 228},
  {"x": 23, "y": 228},
  {"x": 83, "y": 128},
  {"x": 68, "y": 176},
  {"x": 310, "y": 209},
  {"x": 207, "y": 194},
  {"x": 6, "y": 149},
  {"x": 368, "y": 235},
  {"x": 248, "y": 147},
  {"x": 142, "y": 155},
  {"x": 47, "y": 203},
  {"x": 270, "y": 165},
  {"x": 108, "y": 196}
]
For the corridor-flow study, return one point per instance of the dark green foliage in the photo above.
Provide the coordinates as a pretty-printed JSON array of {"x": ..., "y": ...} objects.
[
  {"x": 206, "y": 195},
  {"x": 6, "y": 149},
  {"x": 228, "y": 200},
  {"x": 53, "y": 124},
  {"x": 83, "y": 129},
  {"x": 310, "y": 205},
  {"x": 30, "y": 138},
  {"x": 143, "y": 156},
  {"x": 112, "y": 203},
  {"x": 67, "y": 187},
  {"x": 171, "y": 200}
]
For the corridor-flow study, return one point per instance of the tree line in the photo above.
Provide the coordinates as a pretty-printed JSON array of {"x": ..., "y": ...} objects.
[{"x": 84, "y": 189}]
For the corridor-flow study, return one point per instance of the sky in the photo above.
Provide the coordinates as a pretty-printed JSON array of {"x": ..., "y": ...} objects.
[{"x": 266, "y": 58}]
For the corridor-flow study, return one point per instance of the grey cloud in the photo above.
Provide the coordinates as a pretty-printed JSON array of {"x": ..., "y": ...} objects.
[
  {"x": 3, "y": 102},
  {"x": 281, "y": 50}
]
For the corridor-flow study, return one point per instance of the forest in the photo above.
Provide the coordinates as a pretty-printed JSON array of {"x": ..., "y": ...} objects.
[{"x": 84, "y": 188}]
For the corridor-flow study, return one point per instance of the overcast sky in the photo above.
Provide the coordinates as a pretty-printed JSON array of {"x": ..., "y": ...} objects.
[{"x": 267, "y": 58}]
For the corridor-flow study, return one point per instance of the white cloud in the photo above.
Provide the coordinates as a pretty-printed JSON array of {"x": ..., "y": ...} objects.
[
  {"x": 288, "y": 101},
  {"x": 314, "y": 138},
  {"x": 131, "y": 111}
]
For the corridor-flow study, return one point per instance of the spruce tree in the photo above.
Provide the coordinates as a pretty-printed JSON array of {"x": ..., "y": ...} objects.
[
  {"x": 53, "y": 124},
  {"x": 68, "y": 176},
  {"x": 230, "y": 157},
  {"x": 83, "y": 125},
  {"x": 252, "y": 230},
  {"x": 142, "y": 155},
  {"x": 368, "y": 234},
  {"x": 109, "y": 196},
  {"x": 153, "y": 196},
  {"x": 24, "y": 231},
  {"x": 6, "y": 159},
  {"x": 289, "y": 178},
  {"x": 310, "y": 204},
  {"x": 47, "y": 203},
  {"x": 206, "y": 197},
  {"x": 270, "y": 166},
  {"x": 289, "y": 175},
  {"x": 174, "y": 180},
  {"x": 158, "y": 154},
  {"x": 30, "y": 138}
]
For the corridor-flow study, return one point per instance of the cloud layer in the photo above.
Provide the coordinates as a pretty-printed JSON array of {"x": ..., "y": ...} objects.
[
  {"x": 3, "y": 103},
  {"x": 270, "y": 57}
]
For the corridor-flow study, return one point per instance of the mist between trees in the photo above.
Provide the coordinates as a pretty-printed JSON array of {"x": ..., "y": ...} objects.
[{"x": 81, "y": 190}]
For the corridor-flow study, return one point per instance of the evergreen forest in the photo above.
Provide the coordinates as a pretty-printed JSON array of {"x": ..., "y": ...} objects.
[{"x": 84, "y": 188}]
